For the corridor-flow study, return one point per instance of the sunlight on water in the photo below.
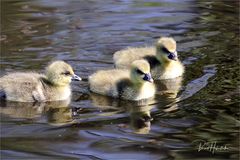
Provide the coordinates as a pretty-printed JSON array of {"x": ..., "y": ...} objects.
[{"x": 199, "y": 108}]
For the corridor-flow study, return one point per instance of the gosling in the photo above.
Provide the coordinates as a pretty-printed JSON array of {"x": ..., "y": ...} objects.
[
  {"x": 134, "y": 84},
  {"x": 34, "y": 87},
  {"x": 163, "y": 58}
]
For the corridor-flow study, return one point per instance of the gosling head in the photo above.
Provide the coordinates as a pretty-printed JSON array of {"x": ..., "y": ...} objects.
[
  {"x": 140, "y": 72},
  {"x": 166, "y": 49},
  {"x": 60, "y": 73}
]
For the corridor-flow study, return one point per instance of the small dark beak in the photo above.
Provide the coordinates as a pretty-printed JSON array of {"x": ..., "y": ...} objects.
[
  {"x": 172, "y": 56},
  {"x": 146, "y": 118},
  {"x": 76, "y": 78},
  {"x": 148, "y": 77}
]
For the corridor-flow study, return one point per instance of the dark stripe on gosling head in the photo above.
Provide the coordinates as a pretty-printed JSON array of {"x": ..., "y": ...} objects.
[{"x": 171, "y": 55}]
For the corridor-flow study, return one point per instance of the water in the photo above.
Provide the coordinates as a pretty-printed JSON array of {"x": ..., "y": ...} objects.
[{"x": 201, "y": 107}]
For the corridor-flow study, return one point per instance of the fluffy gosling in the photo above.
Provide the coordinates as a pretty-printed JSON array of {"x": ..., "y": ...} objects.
[
  {"x": 32, "y": 87},
  {"x": 134, "y": 84},
  {"x": 163, "y": 58}
]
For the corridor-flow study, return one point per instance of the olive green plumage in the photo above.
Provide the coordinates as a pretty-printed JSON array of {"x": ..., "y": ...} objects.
[
  {"x": 162, "y": 58},
  {"x": 134, "y": 84},
  {"x": 54, "y": 85}
]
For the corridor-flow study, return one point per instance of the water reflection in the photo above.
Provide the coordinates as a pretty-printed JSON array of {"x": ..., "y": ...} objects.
[
  {"x": 169, "y": 87},
  {"x": 140, "y": 119},
  {"x": 53, "y": 113},
  {"x": 202, "y": 106},
  {"x": 139, "y": 112}
]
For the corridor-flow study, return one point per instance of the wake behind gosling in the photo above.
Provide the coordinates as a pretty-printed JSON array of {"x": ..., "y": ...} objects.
[
  {"x": 54, "y": 85},
  {"x": 162, "y": 58},
  {"x": 134, "y": 84}
]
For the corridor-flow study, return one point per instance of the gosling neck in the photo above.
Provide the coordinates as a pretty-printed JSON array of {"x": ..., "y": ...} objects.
[
  {"x": 135, "y": 81},
  {"x": 166, "y": 62},
  {"x": 138, "y": 84}
]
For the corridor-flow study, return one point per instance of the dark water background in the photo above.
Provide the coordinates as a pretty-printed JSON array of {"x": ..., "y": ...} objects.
[{"x": 204, "y": 107}]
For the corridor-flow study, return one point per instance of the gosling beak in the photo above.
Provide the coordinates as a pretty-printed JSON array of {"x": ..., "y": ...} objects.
[
  {"x": 76, "y": 78},
  {"x": 146, "y": 118},
  {"x": 173, "y": 56},
  {"x": 148, "y": 77}
]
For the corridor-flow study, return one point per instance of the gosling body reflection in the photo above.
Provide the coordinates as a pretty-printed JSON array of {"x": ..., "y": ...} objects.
[
  {"x": 139, "y": 111},
  {"x": 169, "y": 87},
  {"x": 54, "y": 113}
]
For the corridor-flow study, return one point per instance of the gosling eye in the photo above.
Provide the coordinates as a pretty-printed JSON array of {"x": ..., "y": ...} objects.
[
  {"x": 165, "y": 50},
  {"x": 139, "y": 72},
  {"x": 67, "y": 73}
]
